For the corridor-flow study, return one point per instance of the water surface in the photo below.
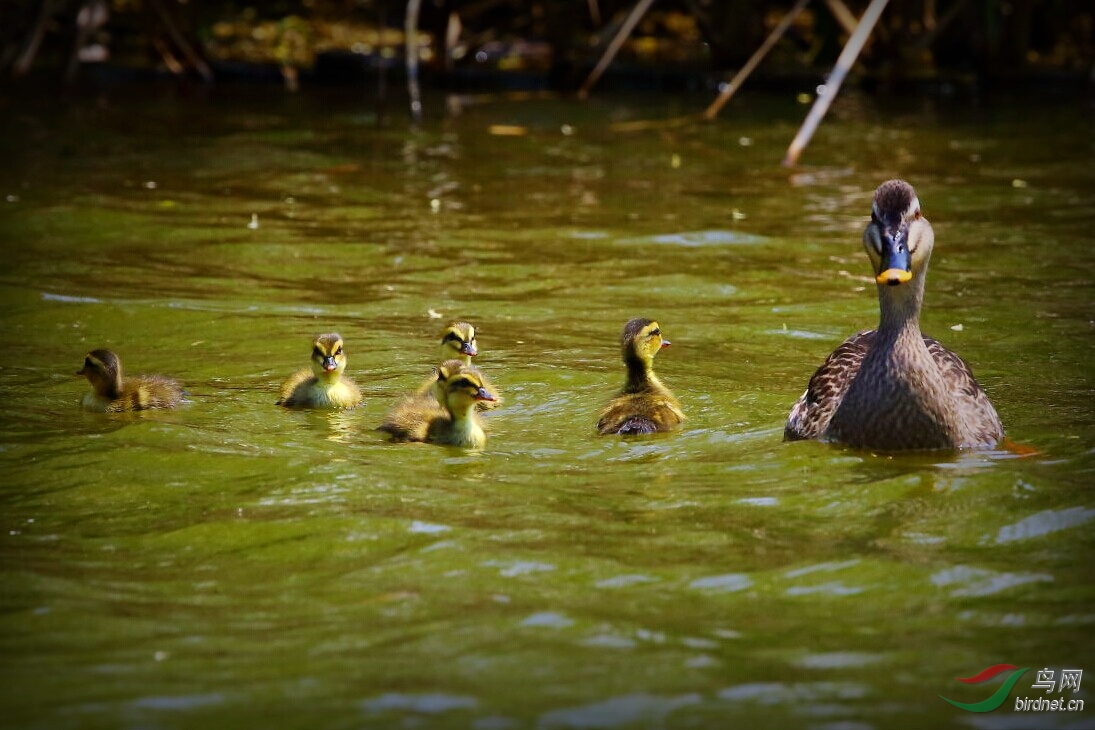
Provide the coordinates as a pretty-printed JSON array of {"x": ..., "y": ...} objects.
[{"x": 229, "y": 564}]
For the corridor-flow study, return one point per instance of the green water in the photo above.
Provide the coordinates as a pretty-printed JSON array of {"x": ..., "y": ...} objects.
[{"x": 230, "y": 564}]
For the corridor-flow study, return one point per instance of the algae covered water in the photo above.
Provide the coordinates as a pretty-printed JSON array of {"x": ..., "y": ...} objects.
[{"x": 233, "y": 564}]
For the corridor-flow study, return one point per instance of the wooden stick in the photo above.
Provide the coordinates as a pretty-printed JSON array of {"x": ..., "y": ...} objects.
[
  {"x": 836, "y": 78},
  {"x": 410, "y": 31},
  {"x": 30, "y": 49},
  {"x": 637, "y": 13},
  {"x": 940, "y": 25},
  {"x": 180, "y": 41},
  {"x": 843, "y": 16},
  {"x": 595, "y": 13},
  {"x": 754, "y": 60}
]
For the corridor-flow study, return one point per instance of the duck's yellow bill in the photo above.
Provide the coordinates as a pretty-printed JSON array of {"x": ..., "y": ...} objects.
[{"x": 894, "y": 277}]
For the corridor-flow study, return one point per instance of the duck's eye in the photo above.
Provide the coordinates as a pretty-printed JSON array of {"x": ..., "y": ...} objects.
[
  {"x": 462, "y": 383},
  {"x": 338, "y": 352},
  {"x": 317, "y": 352},
  {"x": 451, "y": 337},
  {"x": 655, "y": 332}
]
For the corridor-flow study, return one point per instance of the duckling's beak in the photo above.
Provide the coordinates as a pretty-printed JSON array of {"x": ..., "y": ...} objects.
[
  {"x": 483, "y": 394},
  {"x": 665, "y": 343},
  {"x": 329, "y": 364},
  {"x": 468, "y": 348},
  {"x": 896, "y": 265}
]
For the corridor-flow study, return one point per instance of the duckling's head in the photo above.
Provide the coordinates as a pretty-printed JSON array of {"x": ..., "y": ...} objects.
[
  {"x": 103, "y": 370},
  {"x": 460, "y": 386},
  {"x": 640, "y": 342},
  {"x": 328, "y": 358},
  {"x": 898, "y": 239},
  {"x": 458, "y": 343}
]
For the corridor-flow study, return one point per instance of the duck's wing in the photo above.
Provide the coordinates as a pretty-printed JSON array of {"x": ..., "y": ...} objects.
[
  {"x": 411, "y": 417},
  {"x": 975, "y": 408},
  {"x": 294, "y": 391},
  {"x": 810, "y": 416},
  {"x": 640, "y": 413}
]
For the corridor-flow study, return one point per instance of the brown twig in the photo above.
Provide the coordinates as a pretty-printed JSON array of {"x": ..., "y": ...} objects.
[
  {"x": 34, "y": 41},
  {"x": 836, "y": 78},
  {"x": 181, "y": 43},
  {"x": 754, "y": 60},
  {"x": 410, "y": 31},
  {"x": 637, "y": 13}
]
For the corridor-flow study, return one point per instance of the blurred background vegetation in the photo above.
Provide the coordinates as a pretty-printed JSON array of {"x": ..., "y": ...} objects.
[{"x": 538, "y": 44}]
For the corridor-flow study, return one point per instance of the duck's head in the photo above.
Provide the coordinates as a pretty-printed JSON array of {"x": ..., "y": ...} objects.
[
  {"x": 103, "y": 370},
  {"x": 460, "y": 386},
  {"x": 898, "y": 239},
  {"x": 458, "y": 343},
  {"x": 328, "y": 358},
  {"x": 641, "y": 341}
]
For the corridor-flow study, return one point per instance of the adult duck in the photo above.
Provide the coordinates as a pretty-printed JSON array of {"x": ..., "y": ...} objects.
[{"x": 894, "y": 388}]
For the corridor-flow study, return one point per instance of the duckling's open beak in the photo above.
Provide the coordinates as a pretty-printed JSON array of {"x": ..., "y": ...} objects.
[
  {"x": 468, "y": 348},
  {"x": 665, "y": 343},
  {"x": 896, "y": 265},
  {"x": 483, "y": 394},
  {"x": 329, "y": 364}
]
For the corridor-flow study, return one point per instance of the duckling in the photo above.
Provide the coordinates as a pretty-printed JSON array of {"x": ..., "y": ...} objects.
[
  {"x": 447, "y": 415},
  {"x": 323, "y": 386},
  {"x": 644, "y": 405},
  {"x": 111, "y": 392},
  {"x": 895, "y": 388},
  {"x": 458, "y": 343}
]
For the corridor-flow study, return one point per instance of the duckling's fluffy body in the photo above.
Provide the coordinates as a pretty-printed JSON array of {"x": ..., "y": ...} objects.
[
  {"x": 323, "y": 385},
  {"x": 644, "y": 405},
  {"x": 895, "y": 388},
  {"x": 458, "y": 343},
  {"x": 112, "y": 392},
  {"x": 446, "y": 414}
]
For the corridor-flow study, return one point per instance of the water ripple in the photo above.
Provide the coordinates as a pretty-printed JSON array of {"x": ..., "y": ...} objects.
[
  {"x": 1044, "y": 523},
  {"x": 650, "y": 710},
  {"x": 430, "y": 703},
  {"x": 723, "y": 583},
  {"x": 980, "y": 582}
]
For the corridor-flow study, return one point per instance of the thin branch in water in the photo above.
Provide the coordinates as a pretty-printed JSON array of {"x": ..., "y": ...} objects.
[
  {"x": 34, "y": 41},
  {"x": 595, "y": 13},
  {"x": 410, "y": 32},
  {"x": 181, "y": 43},
  {"x": 836, "y": 78},
  {"x": 843, "y": 16},
  {"x": 739, "y": 78},
  {"x": 614, "y": 47}
]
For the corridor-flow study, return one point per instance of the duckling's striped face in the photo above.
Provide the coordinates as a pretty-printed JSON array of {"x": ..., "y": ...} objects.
[
  {"x": 103, "y": 370},
  {"x": 898, "y": 239},
  {"x": 458, "y": 341},
  {"x": 642, "y": 339},
  {"x": 328, "y": 358},
  {"x": 461, "y": 385}
]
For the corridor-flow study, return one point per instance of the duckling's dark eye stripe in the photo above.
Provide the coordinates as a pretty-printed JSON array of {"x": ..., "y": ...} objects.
[
  {"x": 452, "y": 337},
  {"x": 463, "y": 383},
  {"x": 655, "y": 331}
]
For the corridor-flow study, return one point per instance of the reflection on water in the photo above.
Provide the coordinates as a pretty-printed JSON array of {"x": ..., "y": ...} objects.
[{"x": 230, "y": 560}]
